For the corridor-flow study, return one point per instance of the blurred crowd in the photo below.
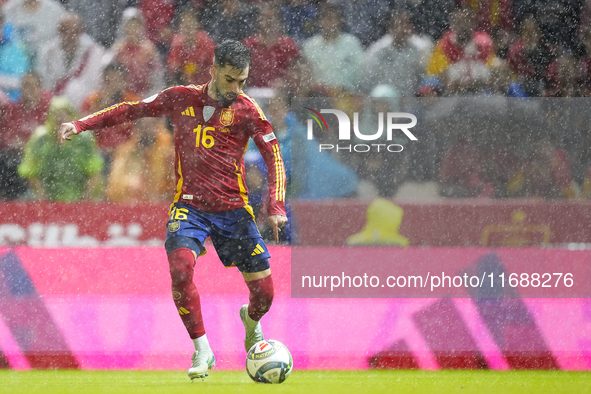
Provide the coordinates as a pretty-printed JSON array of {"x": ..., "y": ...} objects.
[{"x": 60, "y": 60}]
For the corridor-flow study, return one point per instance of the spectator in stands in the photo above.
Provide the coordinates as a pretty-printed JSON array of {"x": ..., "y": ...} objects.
[
  {"x": 334, "y": 56},
  {"x": 112, "y": 91},
  {"x": 545, "y": 173},
  {"x": 298, "y": 81},
  {"x": 272, "y": 51},
  {"x": 299, "y": 17},
  {"x": 229, "y": 19},
  {"x": 564, "y": 77},
  {"x": 11, "y": 186},
  {"x": 13, "y": 59},
  {"x": 421, "y": 42},
  {"x": 492, "y": 15},
  {"x": 20, "y": 120},
  {"x": 101, "y": 18},
  {"x": 400, "y": 64},
  {"x": 61, "y": 172},
  {"x": 462, "y": 55},
  {"x": 158, "y": 15},
  {"x": 502, "y": 41},
  {"x": 36, "y": 22},
  {"x": 70, "y": 65},
  {"x": 145, "y": 72},
  {"x": 430, "y": 17},
  {"x": 559, "y": 20},
  {"x": 529, "y": 57},
  {"x": 502, "y": 82},
  {"x": 28, "y": 112},
  {"x": 365, "y": 19},
  {"x": 142, "y": 167},
  {"x": 191, "y": 52}
]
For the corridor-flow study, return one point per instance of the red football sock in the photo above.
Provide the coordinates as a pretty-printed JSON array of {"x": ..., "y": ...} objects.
[
  {"x": 184, "y": 291},
  {"x": 261, "y": 297}
]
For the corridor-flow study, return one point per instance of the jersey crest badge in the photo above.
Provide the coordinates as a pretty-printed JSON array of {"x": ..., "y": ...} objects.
[
  {"x": 174, "y": 226},
  {"x": 208, "y": 112},
  {"x": 227, "y": 116}
]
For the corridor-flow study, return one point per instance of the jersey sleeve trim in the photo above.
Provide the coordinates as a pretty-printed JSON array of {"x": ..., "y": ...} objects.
[
  {"x": 112, "y": 107},
  {"x": 280, "y": 171}
]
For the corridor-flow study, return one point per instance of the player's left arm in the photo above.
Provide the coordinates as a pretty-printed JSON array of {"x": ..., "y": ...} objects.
[{"x": 267, "y": 144}]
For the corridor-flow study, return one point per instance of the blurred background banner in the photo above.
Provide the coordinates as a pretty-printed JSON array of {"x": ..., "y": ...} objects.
[
  {"x": 107, "y": 308},
  {"x": 444, "y": 222}
]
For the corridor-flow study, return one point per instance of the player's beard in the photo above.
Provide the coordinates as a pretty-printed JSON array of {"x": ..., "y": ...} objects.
[{"x": 224, "y": 101}]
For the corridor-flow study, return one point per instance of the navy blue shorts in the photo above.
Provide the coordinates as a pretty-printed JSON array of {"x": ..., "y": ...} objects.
[{"x": 234, "y": 234}]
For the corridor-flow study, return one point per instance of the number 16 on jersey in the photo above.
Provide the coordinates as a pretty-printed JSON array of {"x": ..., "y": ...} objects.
[{"x": 202, "y": 138}]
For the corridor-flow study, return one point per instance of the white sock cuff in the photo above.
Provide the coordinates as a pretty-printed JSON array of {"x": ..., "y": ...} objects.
[{"x": 201, "y": 342}]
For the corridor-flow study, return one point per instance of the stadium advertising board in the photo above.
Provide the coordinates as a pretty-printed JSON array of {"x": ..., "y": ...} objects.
[{"x": 84, "y": 308}]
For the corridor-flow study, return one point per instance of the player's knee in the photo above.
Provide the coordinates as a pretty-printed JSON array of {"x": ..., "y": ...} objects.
[{"x": 181, "y": 262}]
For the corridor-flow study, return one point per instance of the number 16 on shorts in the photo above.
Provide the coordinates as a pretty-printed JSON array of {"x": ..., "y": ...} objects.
[{"x": 177, "y": 213}]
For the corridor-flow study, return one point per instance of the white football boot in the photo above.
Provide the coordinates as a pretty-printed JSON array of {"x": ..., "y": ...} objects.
[
  {"x": 202, "y": 361},
  {"x": 254, "y": 331}
]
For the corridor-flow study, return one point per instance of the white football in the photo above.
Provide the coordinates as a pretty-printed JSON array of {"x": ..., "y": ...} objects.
[{"x": 269, "y": 362}]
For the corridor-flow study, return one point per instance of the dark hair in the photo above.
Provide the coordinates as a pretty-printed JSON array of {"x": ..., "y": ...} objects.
[{"x": 233, "y": 53}]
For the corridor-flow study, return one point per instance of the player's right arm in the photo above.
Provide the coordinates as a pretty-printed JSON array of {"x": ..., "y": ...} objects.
[{"x": 158, "y": 105}]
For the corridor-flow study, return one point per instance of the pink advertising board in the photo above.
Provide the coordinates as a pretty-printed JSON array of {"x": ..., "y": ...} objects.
[{"x": 102, "y": 308}]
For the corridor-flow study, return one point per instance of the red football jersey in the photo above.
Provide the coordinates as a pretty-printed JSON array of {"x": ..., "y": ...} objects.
[{"x": 210, "y": 142}]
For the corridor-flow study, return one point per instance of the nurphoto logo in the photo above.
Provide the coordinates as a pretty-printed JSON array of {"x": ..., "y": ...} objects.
[{"x": 345, "y": 130}]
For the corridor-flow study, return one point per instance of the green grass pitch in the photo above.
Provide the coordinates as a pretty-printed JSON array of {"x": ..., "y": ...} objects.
[{"x": 307, "y": 382}]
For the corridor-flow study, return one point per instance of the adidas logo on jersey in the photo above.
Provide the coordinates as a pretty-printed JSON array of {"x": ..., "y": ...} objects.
[
  {"x": 188, "y": 112},
  {"x": 258, "y": 250}
]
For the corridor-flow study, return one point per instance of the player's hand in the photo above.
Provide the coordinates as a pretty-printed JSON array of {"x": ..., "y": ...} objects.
[
  {"x": 276, "y": 222},
  {"x": 65, "y": 131}
]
